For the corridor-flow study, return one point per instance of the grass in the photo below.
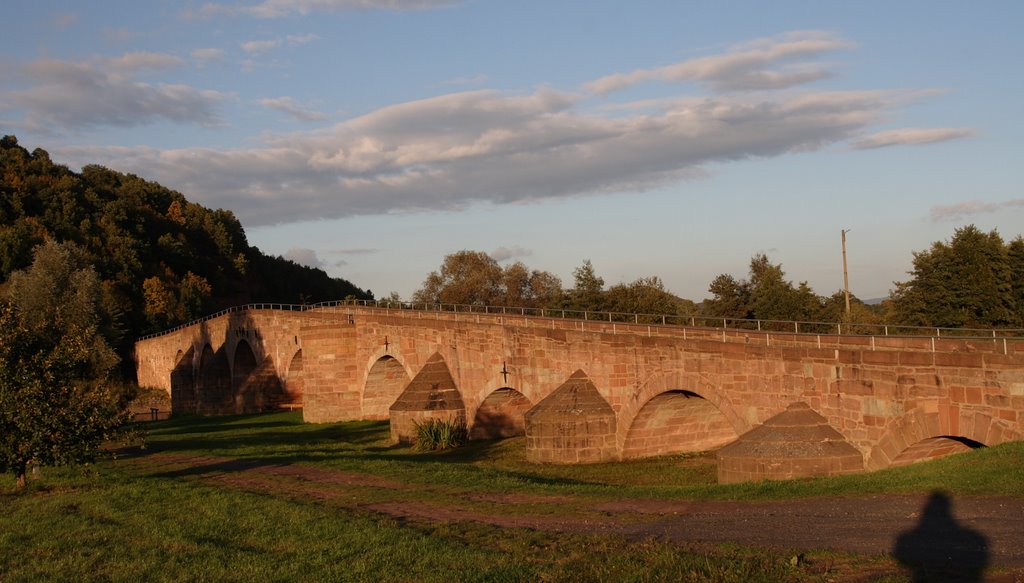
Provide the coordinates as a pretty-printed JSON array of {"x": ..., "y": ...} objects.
[
  {"x": 500, "y": 466},
  {"x": 438, "y": 434},
  {"x": 137, "y": 519}
]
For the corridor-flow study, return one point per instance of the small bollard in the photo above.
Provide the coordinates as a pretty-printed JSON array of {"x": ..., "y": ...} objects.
[{"x": 154, "y": 412}]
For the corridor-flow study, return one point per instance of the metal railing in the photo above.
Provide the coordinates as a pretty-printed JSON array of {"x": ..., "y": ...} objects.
[{"x": 779, "y": 326}]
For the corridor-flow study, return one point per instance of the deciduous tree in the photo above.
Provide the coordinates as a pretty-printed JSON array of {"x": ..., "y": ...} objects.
[
  {"x": 968, "y": 281},
  {"x": 55, "y": 404}
]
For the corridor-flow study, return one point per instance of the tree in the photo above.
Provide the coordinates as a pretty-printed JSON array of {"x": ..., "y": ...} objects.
[
  {"x": 474, "y": 277},
  {"x": 466, "y": 277},
  {"x": 646, "y": 295},
  {"x": 730, "y": 298},
  {"x": 765, "y": 295},
  {"x": 968, "y": 281},
  {"x": 588, "y": 292},
  {"x": 56, "y": 406}
]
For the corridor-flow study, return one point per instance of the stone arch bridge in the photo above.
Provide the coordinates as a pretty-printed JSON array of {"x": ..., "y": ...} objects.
[{"x": 585, "y": 390}]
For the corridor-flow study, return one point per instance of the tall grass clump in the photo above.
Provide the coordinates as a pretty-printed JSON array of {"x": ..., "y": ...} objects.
[{"x": 435, "y": 434}]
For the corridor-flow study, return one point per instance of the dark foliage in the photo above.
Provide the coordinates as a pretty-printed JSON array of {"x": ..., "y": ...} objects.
[{"x": 161, "y": 259}]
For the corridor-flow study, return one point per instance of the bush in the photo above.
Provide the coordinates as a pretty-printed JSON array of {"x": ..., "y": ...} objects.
[{"x": 438, "y": 434}]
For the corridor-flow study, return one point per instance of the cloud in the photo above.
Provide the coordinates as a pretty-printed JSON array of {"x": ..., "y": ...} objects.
[
  {"x": 282, "y": 8},
  {"x": 261, "y": 46},
  {"x": 745, "y": 67},
  {"x": 288, "y": 105},
  {"x": 208, "y": 55},
  {"x": 77, "y": 94},
  {"x": 295, "y": 40},
  {"x": 305, "y": 257},
  {"x": 459, "y": 149},
  {"x": 450, "y": 151},
  {"x": 255, "y": 47},
  {"x": 505, "y": 253},
  {"x": 120, "y": 35},
  {"x": 963, "y": 210},
  {"x": 355, "y": 251},
  {"x": 63, "y": 20},
  {"x": 911, "y": 136},
  {"x": 140, "y": 61}
]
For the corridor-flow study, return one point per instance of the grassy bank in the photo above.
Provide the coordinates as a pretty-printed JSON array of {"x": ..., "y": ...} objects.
[{"x": 160, "y": 515}]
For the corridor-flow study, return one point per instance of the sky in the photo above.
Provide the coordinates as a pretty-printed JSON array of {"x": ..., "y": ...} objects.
[{"x": 655, "y": 138}]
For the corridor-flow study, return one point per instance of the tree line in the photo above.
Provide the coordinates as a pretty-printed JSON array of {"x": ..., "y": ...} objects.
[{"x": 975, "y": 279}]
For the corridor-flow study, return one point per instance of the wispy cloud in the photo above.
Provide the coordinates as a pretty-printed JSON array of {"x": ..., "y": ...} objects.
[
  {"x": 911, "y": 136},
  {"x": 140, "y": 61},
  {"x": 491, "y": 147},
  {"x": 70, "y": 94},
  {"x": 302, "y": 256},
  {"x": 289, "y": 106},
  {"x": 458, "y": 149},
  {"x": 283, "y": 8},
  {"x": 256, "y": 47},
  {"x": 355, "y": 251},
  {"x": 962, "y": 210},
  {"x": 63, "y": 20},
  {"x": 761, "y": 64},
  {"x": 506, "y": 253},
  {"x": 120, "y": 35},
  {"x": 261, "y": 46},
  {"x": 208, "y": 55}
]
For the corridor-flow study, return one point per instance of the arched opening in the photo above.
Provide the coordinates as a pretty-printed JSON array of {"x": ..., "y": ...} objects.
[
  {"x": 501, "y": 415},
  {"x": 293, "y": 382},
  {"x": 214, "y": 388},
  {"x": 384, "y": 384},
  {"x": 935, "y": 448},
  {"x": 245, "y": 392},
  {"x": 183, "y": 384},
  {"x": 677, "y": 422}
]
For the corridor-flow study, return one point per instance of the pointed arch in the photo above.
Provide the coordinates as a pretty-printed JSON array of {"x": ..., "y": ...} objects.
[
  {"x": 242, "y": 368},
  {"x": 213, "y": 395},
  {"x": 501, "y": 415},
  {"x": 385, "y": 381},
  {"x": 676, "y": 421},
  {"x": 183, "y": 382},
  {"x": 294, "y": 381}
]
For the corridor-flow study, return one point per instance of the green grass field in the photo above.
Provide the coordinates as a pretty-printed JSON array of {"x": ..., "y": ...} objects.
[{"x": 155, "y": 516}]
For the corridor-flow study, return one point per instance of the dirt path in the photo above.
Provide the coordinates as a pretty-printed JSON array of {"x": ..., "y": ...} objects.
[{"x": 965, "y": 530}]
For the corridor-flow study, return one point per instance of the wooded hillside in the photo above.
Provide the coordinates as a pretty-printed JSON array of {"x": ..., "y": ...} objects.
[{"x": 162, "y": 259}]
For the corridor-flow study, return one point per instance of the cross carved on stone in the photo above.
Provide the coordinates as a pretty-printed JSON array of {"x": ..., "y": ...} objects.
[
  {"x": 386, "y": 344},
  {"x": 504, "y": 373}
]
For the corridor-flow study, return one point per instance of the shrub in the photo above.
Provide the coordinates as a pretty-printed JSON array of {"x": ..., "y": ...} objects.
[{"x": 437, "y": 434}]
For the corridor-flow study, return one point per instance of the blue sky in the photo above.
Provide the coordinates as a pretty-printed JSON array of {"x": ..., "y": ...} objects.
[{"x": 677, "y": 139}]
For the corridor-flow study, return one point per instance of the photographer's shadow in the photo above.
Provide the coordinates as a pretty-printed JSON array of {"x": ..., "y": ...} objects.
[{"x": 940, "y": 549}]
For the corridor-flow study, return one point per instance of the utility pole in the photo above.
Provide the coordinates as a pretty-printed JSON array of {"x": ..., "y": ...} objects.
[{"x": 846, "y": 276}]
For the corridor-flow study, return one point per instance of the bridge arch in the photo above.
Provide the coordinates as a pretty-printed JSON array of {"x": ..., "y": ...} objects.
[
  {"x": 294, "y": 384},
  {"x": 243, "y": 366},
  {"x": 183, "y": 382},
  {"x": 918, "y": 433},
  {"x": 501, "y": 414},
  {"x": 676, "y": 421},
  {"x": 386, "y": 378},
  {"x": 213, "y": 394},
  {"x": 683, "y": 385}
]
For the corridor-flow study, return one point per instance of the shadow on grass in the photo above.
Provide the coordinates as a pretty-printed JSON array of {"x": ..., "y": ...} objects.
[{"x": 275, "y": 440}]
